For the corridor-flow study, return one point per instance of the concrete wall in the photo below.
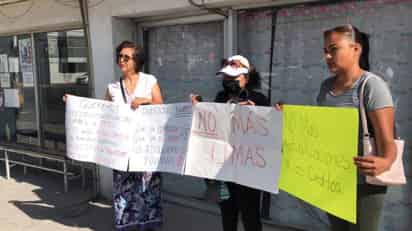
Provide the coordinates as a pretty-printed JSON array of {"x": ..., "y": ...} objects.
[
  {"x": 38, "y": 15},
  {"x": 397, "y": 205},
  {"x": 110, "y": 23},
  {"x": 141, "y": 8}
]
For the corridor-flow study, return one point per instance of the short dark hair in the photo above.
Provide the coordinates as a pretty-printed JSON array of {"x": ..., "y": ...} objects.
[
  {"x": 138, "y": 55},
  {"x": 357, "y": 36}
]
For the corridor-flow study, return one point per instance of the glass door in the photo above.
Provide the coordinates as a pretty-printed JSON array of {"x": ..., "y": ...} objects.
[
  {"x": 62, "y": 68},
  {"x": 18, "y": 114}
]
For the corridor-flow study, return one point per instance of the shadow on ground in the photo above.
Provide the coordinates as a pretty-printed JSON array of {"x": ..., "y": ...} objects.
[{"x": 47, "y": 200}]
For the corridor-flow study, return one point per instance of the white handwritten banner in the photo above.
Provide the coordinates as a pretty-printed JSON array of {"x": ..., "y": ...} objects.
[
  {"x": 161, "y": 138},
  {"x": 99, "y": 131},
  {"x": 236, "y": 143},
  {"x": 228, "y": 142}
]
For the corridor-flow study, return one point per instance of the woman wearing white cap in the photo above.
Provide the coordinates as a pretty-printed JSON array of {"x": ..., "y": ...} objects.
[{"x": 239, "y": 81}]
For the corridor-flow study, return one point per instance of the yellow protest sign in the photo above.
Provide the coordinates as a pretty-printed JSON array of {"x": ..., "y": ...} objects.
[{"x": 319, "y": 144}]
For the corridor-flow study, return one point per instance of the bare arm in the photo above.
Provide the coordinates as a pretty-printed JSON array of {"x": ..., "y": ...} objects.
[
  {"x": 156, "y": 95},
  {"x": 107, "y": 96},
  {"x": 156, "y": 98},
  {"x": 383, "y": 123}
]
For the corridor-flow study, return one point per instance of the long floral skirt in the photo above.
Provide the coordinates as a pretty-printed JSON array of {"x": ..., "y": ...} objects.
[{"x": 136, "y": 198}]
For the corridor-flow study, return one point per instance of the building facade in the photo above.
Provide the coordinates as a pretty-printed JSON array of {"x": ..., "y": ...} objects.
[{"x": 45, "y": 52}]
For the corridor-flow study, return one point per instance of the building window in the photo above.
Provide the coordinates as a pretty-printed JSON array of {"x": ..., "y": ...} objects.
[
  {"x": 36, "y": 70},
  {"x": 18, "y": 120},
  {"x": 62, "y": 68}
]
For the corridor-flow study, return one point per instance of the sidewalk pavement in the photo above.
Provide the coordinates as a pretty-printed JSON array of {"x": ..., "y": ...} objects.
[{"x": 37, "y": 202}]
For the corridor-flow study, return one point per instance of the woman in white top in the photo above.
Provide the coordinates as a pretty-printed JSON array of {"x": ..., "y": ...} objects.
[{"x": 136, "y": 195}]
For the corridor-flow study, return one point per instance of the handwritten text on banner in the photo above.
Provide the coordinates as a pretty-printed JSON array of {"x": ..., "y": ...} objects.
[
  {"x": 152, "y": 138},
  {"x": 227, "y": 142},
  {"x": 236, "y": 143},
  {"x": 319, "y": 144},
  {"x": 99, "y": 131},
  {"x": 161, "y": 138}
]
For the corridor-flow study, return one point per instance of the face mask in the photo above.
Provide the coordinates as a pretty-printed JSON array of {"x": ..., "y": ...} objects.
[{"x": 231, "y": 86}]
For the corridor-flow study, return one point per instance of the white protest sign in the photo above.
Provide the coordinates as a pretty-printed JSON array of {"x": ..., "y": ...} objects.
[
  {"x": 227, "y": 142},
  {"x": 209, "y": 149},
  {"x": 256, "y": 138},
  {"x": 4, "y": 63},
  {"x": 161, "y": 138},
  {"x": 5, "y": 80},
  {"x": 28, "y": 79},
  {"x": 99, "y": 131},
  {"x": 14, "y": 64},
  {"x": 236, "y": 143},
  {"x": 11, "y": 98}
]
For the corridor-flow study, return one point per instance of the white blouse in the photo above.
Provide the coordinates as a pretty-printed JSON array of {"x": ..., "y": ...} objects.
[{"x": 143, "y": 89}]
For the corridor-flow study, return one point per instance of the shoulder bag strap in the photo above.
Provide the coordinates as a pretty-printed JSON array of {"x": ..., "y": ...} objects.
[
  {"x": 362, "y": 108},
  {"x": 122, "y": 88},
  {"x": 363, "y": 111}
]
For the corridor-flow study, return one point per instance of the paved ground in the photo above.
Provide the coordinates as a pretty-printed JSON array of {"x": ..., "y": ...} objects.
[{"x": 36, "y": 202}]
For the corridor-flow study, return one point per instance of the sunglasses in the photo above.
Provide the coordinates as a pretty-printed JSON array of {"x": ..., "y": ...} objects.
[{"x": 123, "y": 58}]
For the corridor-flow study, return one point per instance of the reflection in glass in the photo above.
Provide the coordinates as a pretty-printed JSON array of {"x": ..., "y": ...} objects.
[
  {"x": 61, "y": 61},
  {"x": 18, "y": 121}
]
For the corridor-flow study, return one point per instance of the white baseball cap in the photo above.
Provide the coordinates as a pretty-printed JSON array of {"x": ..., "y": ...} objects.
[
  {"x": 241, "y": 59},
  {"x": 233, "y": 70}
]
